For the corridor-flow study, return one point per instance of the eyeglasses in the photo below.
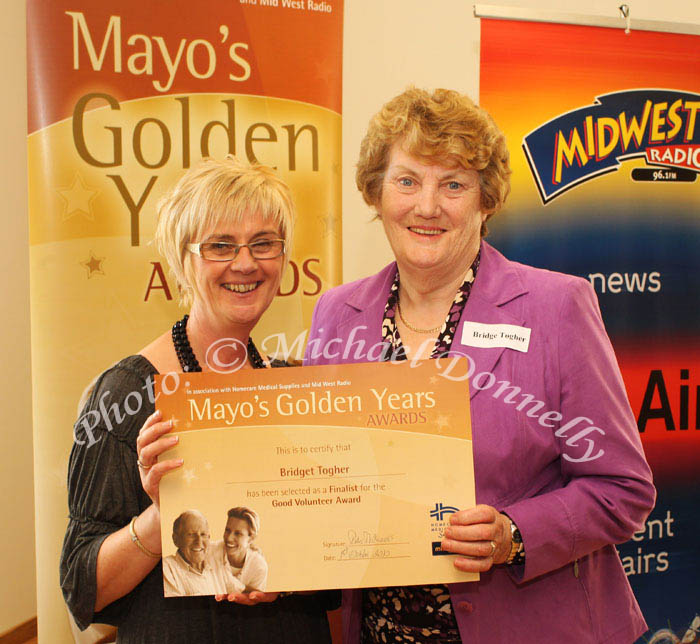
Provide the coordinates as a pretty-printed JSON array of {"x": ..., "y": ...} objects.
[{"x": 218, "y": 251}]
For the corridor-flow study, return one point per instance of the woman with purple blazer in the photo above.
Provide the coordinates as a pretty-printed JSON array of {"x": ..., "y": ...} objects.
[{"x": 560, "y": 471}]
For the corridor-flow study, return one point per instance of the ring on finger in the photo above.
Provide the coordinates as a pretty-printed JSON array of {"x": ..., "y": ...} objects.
[
  {"x": 145, "y": 467},
  {"x": 493, "y": 549}
]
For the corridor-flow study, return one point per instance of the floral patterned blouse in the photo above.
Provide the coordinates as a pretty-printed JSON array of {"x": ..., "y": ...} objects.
[{"x": 414, "y": 613}]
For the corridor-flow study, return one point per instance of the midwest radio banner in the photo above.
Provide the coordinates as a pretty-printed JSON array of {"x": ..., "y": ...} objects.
[
  {"x": 122, "y": 99},
  {"x": 603, "y": 129}
]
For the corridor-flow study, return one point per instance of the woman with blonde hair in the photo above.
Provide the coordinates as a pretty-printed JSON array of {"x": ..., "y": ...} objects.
[
  {"x": 237, "y": 560},
  {"x": 226, "y": 230}
]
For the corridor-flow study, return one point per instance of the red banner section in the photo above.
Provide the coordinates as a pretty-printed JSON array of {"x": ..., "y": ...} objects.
[{"x": 284, "y": 48}]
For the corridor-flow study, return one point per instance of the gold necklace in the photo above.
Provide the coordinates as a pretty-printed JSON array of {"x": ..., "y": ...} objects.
[{"x": 413, "y": 328}]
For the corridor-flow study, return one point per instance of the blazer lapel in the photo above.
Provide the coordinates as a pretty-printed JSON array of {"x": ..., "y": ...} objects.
[
  {"x": 364, "y": 322},
  {"x": 497, "y": 283}
]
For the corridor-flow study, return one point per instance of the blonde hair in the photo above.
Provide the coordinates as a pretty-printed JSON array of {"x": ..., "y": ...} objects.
[
  {"x": 444, "y": 127},
  {"x": 214, "y": 192},
  {"x": 249, "y": 516}
]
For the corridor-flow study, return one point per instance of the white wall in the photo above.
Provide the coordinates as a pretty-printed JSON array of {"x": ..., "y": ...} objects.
[{"x": 389, "y": 44}]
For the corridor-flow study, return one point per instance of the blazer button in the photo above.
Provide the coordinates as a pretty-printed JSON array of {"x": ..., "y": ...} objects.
[{"x": 467, "y": 607}]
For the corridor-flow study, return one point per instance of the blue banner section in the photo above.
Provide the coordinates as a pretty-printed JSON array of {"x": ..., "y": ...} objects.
[
  {"x": 643, "y": 270},
  {"x": 662, "y": 565},
  {"x": 661, "y": 125}
]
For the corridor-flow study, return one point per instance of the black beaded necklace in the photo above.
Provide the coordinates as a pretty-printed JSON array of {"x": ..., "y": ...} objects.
[{"x": 188, "y": 360}]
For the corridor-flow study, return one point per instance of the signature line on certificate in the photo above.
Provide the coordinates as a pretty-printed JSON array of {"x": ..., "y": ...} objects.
[
  {"x": 317, "y": 478},
  {"x": 379, "y": 543},
  {"x": 379, "y": 557}
]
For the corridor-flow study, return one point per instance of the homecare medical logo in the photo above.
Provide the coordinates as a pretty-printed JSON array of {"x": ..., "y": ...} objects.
[
  {"x": 437, "y": 527},
  {"x": 661, "y": 125}
]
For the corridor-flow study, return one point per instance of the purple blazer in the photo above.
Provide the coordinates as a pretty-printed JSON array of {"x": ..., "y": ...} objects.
[{"x": 556, "y": 447}]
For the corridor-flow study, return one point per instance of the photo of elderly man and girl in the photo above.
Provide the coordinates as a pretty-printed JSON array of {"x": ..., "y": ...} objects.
[{"x": 205, "y": 567}]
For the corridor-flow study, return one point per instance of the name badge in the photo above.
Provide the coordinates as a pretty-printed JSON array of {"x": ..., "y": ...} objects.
[{"x": 475, "y": 334}]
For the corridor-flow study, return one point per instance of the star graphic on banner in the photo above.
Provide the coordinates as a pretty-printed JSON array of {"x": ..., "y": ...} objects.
[
  {"x": 77, "y": 198},
  {"x": 329, "y": 225},
  {"x": 442, "y": 422},
  {"x": 189, "y": 476},
  {"x": 323, "y": 72},
  {"x": 208, "y": 466},
  {"x": 433, "y": 380},
  {"x": 93, "y": 265}
]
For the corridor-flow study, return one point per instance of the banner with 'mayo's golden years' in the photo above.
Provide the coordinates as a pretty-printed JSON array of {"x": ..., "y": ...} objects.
[{"x": 122, "y": 99}]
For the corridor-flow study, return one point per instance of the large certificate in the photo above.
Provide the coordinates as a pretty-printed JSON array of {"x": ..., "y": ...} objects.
[{"x": 314, "y": 477}]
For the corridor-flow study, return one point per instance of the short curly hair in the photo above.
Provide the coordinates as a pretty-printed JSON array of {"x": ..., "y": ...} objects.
[
  {"x": 212, "y": 192},
  {"x": 444, "y": 127}
]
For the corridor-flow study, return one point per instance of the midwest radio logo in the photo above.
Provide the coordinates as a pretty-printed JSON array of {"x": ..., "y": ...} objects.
[{"x": 660, "y": 125}]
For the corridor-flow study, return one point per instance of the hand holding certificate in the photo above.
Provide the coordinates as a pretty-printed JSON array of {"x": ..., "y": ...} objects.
[{"x": 314, "y": 478}]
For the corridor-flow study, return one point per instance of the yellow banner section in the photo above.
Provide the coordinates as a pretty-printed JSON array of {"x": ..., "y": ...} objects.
[
  {"x": 93, "y": 207},
  {"x": 358, "y": 475}
]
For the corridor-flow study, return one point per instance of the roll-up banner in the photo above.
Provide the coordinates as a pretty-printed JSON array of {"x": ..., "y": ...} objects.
[
  {"x": 122, "y": 99},
  {"x": 604, "y": 133}
]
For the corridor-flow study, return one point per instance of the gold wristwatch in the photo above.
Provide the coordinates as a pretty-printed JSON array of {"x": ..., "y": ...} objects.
[{"x": 516, "y": 556}]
